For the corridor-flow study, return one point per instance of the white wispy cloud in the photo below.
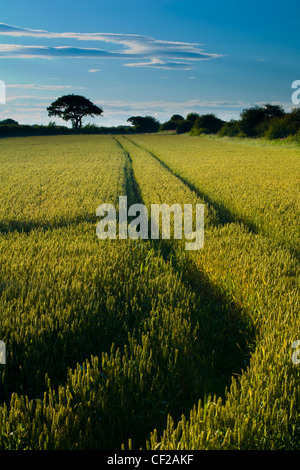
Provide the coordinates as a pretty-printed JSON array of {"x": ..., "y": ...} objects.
[
  {"x": 162, "y": 64},
  {"x": 153, "y": 52},
  {"x": 33, "y": 86},
  {"x": 17, "y": 98},
  {"x": 165, "y": 105}
]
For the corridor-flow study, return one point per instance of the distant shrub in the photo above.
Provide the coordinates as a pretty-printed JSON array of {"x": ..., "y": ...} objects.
[
  {"x": 192, "y": 117},
  {"x": 9, "y": 122},
  {"x": 144, "y": 124},
  {"x": 279, "y": 129},
  {"x": 230, "y": 129},
  {"x": 210, "y": 122},
  {"x": 184, "y": 126},
  {"x": 253, "y": 120},
  {"x": 200, "y": 131},
  {"x": 168, "y": 126},
  {"x": 177, "y": 117},
  {"x": 288, "y": 125},
  {"x": 173, "y": 124},
  {"x": 241, "y": 135}
]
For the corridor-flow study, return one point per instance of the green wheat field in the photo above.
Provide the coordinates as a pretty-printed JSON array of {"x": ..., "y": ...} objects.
[{"x": 141, "y": 344}]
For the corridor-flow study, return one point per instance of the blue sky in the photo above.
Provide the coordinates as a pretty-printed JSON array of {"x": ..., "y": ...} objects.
[{"x": 148, "y": 57}]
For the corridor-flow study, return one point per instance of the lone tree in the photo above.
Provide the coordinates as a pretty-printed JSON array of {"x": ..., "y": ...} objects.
[{"x": 73, "y": 108}]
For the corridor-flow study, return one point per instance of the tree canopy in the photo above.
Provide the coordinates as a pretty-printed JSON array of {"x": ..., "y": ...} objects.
[
  {"x": 9, "y": 122},
  {"x": 144, "y": 124},
  {"x": 258, "y": 116},
  {"x": 177, "y": 117},
  {"x": 73, "y": 108},
  {"x": 208, "y": 123}
]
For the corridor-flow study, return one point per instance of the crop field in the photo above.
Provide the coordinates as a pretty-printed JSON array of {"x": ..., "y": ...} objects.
[{"x": 141, "y": 344}]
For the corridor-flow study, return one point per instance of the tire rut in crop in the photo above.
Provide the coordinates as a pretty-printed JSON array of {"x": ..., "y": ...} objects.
[
  {"x": 222, "y": 327},
  {"x": 225, "y": 216}
]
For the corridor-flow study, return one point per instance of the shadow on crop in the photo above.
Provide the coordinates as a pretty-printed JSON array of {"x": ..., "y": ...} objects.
[{"x": 27, "y": 226}]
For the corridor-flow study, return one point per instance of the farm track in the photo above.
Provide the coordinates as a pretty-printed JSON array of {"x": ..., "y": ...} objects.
[
  {"x": 214, "y": 307},
  {"x": 260, "y": 312},
  {"x": 224, "y": 214},
  {"x": 133, "y": 191}
]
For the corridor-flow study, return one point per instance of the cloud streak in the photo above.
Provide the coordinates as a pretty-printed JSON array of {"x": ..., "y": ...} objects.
[
  {"x": 164, "y": 105},
  {"x": 147, "y": 51},
  {"x": 33, "y": 86}
]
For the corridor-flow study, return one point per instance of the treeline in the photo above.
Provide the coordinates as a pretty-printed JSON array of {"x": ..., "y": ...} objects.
[
  {"x": 139, "y": 124},
  {"x": 267, "y": 121},
  {"x": 11, "y": 128}
]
